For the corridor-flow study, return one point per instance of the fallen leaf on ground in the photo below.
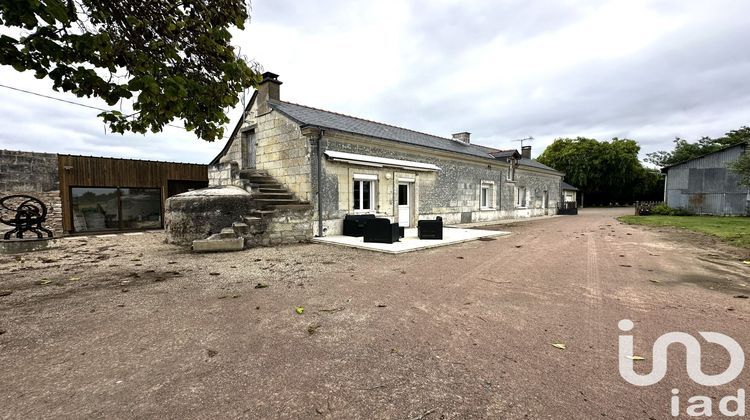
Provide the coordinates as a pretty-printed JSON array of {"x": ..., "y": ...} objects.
[
  {"x": 261, "y": 286},
  {"x": 45, "y": 281},
  {"x": 300, "y": 310},
  {"x": 741, "y": 296},
  {"x": 382, "y": 305},
  {"x": 636, "y": 358},
  {"x": 74, "y": 278},
  {"x": 746, "y": 262},
  {"x": 212, "y": 353},
  {"x": 654, "y": 281},
  {"x": 214, "y": 274},
  {"x": 312, "y": 329},
  {"x": 560, "y": 346}
]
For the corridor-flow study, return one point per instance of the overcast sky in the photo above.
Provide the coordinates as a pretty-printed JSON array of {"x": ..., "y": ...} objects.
[{"x": 502, "y": 70}]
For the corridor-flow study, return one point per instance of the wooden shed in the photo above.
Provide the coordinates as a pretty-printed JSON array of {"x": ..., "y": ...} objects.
[{"x": 107, "y": 194}]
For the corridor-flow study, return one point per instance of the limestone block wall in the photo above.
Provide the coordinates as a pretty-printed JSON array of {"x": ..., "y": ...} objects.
[
  {"x": 284, "y": 153},
  {"x": 223, "y": 174},
  {"x": 452, "y": 193},
  {"x": 34, "y": 174}
]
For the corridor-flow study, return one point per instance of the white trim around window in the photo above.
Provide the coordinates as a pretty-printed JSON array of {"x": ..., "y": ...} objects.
[
  {"x": 487, "y": 195},
  {"x": 521, "y": 197},
  {"x": 363, "y": 194}
]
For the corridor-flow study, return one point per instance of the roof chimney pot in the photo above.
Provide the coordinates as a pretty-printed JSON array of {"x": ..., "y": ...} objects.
[
  {"x": 462, "y": 137},
  {"x": 526, "y": 152},
  {"x": 268, "y": 89}
]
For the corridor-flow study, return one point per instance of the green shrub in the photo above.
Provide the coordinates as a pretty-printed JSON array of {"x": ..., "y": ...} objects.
[{"x": 665, "y": 210}]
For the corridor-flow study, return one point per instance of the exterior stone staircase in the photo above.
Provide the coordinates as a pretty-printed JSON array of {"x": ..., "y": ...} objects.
[
  {"x": 268, "y": 193},
  {"x": 275, "y": 217}
]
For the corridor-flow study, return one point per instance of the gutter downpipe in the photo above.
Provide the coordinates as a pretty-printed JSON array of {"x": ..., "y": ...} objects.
[{"x": 320, "y": 176}]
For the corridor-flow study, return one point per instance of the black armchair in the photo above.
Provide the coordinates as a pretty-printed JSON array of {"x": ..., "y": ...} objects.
[
  {"x": 430, "y": 229},
  {"x": 354, "y": 224},
  {"x": 381, "y": 230}
]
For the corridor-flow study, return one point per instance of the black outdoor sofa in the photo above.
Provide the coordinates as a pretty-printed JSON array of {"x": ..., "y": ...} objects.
[
  {"x": 430, "y": 229},
  {"x": 354, "y": 224},
  {"x": 381, "y": 230}
]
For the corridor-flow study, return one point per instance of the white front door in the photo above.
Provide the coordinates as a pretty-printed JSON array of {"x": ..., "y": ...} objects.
[{"x": 404, "y": 205}]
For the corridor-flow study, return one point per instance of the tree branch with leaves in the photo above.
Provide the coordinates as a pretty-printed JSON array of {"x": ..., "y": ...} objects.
[{"x": 172, "y": 59}]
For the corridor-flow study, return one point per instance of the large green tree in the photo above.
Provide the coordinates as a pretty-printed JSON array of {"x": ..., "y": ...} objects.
[
  {"x": 171, "y": 58},
  {"x": 605, "y": 171},
  {"x": 685, "y": 150}
]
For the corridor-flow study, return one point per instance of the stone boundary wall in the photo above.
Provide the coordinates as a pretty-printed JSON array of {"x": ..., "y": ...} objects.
[{"x": 34, "y": 174}]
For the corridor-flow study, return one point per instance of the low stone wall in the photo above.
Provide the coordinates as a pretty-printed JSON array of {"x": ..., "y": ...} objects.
[
  {"x": 288, "y": 227},
  {"x": 34, "y": 174}
]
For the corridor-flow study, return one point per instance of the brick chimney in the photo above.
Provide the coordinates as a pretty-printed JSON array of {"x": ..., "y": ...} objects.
[
  {"x": 526, "y": 152},
  {"x": 268, "y": 89},
  {"x": 463, "y": 137}
]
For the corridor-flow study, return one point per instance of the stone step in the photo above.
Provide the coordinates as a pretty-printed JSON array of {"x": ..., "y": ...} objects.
[
  {"x": 279, "y": 194},
  {"x": 253, "y": 172},
  {"x": 274, "y": 185},
  {"x": 262, "y": 213},
  {"x": 259, "y": 179},
  {"x": 298, "y": 206},
  {"x": 272, "y": 190},
  {"x": 275, "y": 201},
  {"x": 218, "y": 245},
  {"x": 227, "y": 233}
]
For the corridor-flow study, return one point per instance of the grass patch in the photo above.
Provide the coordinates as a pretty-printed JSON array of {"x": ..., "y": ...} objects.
[{"x": 735, "y": 230}]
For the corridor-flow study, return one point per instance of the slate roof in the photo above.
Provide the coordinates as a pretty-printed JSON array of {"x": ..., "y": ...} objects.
[
  {"x": 566, "y": 186},
  {"x": 309, "y": 116},
  {"x": 305, "y": 115}
]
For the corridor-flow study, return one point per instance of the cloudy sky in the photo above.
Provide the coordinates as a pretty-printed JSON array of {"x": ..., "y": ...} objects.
[{"x": 502, "y": 70}]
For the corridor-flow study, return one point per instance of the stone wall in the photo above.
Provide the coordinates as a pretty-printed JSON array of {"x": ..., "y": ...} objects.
[
  {"x": 223, "y": 174},
  {"x": 283, "y": 152},
  {"x": 34, "y": 174},
  {"x": 452, "y": 193},
  {"x": 268, "y": 142}
]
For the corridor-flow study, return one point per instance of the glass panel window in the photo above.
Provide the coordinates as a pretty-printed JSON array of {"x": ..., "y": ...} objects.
[
  {"x": 403, "y": 195},
  {"x": 101, "y": 209},
  {"x": 94, "y": 209},
  {"x": 364, "y": 196},
  {"x": 357, "y": 194},
  {"x": 141, "y": 208},
  {"x": 521, "y": 197},
  {"x": 485, "y": 199}
]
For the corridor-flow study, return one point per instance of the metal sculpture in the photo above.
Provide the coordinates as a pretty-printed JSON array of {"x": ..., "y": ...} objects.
[{"x": 29, "y": 214}]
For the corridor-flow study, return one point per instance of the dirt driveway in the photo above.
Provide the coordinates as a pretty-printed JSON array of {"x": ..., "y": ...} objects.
[{"x": 127, "y": 326}]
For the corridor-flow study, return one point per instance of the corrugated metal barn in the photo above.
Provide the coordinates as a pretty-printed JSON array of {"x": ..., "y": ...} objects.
[{"x": 705, "y": 185}]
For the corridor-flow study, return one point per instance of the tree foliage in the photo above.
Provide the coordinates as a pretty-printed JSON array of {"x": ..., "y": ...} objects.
[
  {"x": 172, "y": 58},
  {"x": 742, "y": 167},
  {"x": 685, "y": 150},
  {"x": 605, "y": 171}
]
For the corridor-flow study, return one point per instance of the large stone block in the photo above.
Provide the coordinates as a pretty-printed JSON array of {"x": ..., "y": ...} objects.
[{"x": 198, "y": 214}]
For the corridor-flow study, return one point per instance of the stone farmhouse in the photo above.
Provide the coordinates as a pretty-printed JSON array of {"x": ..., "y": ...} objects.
[{"x": 338, "y": 165}]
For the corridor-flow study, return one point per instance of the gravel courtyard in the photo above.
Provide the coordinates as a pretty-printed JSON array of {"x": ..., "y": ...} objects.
[{"x": 127, "y": 326}]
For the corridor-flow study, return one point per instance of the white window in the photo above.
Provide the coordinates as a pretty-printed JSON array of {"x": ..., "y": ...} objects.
[
  {"x": 521, "y": 197},
  {"x": 487, "y": 196},
  {"x": 364, "y": 193}
]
